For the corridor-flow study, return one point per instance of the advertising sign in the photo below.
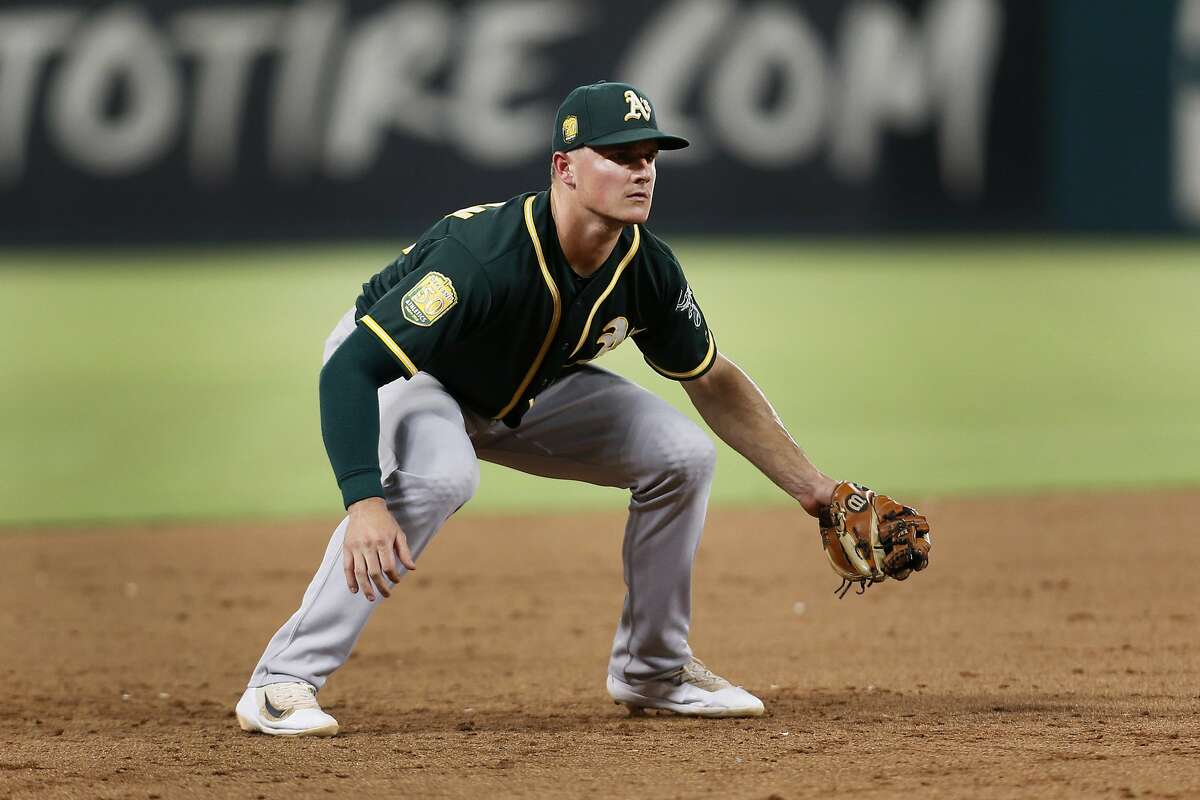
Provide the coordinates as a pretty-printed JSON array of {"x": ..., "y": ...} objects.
[{"x": 126, "y": 121}]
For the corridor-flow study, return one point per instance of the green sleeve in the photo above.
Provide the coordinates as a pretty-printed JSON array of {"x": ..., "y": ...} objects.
[
  {"x": 444, "y": 299},
  {"x": 349, "y": 391},
  {"x": 677, "y": 342}
]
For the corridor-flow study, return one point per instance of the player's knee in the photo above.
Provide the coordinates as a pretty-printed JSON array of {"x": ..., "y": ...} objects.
[
  {"x": 681, "y": 453},
  {"x": 698, "y": 458},
  {"x": 451, "y": 489},
  {"x": 437, "y": 492}
]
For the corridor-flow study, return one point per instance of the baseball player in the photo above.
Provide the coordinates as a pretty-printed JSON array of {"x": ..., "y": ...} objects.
[{"x": 494, "y": 318}]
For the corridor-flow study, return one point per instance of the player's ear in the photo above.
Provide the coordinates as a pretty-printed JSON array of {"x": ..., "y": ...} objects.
[{"x": 564, "y": 169}]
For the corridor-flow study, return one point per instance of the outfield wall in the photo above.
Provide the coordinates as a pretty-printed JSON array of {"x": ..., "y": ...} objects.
[{"x": 180, "y": 119}]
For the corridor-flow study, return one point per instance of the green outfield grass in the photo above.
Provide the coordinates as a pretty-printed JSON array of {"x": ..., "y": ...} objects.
[{"x": 182, "y": 383}]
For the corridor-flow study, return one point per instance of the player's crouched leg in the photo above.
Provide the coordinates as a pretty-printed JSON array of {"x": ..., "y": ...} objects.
[
  {"x": 672, "y": 456},
  {"x": 429, "y": 468},
  {"x": 652, "y": 665},
  {"x": 674, "y": 468},
  {"x": 422, "y": 502}
]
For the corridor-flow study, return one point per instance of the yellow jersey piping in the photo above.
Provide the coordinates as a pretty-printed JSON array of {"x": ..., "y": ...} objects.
[
  {"x": 391, "y": 344},
  {"x": 554, "y": 296},
  {"x": 587, "y": 326},
  {"x": 683, "y": 376}
]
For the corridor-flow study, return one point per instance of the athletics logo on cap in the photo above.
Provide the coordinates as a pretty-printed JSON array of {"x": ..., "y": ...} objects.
[
  {"x": 570, "y": 128},
  {"x": 639, "y": 108}
]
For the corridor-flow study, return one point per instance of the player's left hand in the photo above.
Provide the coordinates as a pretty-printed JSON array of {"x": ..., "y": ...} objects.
[
  {"x": 372, "y": 546},
  {"x": 869, "y": 537}
]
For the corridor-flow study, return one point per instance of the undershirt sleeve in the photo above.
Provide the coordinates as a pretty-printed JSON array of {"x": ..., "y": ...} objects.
[
  {"x": 443, "y": 299},
  {"x": 349, "y": 391}
]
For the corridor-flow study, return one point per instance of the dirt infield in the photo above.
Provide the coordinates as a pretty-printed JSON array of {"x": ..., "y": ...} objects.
[{"x": 1050, "y": 651}]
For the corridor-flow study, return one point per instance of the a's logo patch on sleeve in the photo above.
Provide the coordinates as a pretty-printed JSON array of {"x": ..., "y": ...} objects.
[{"x": 426, "y": 302}]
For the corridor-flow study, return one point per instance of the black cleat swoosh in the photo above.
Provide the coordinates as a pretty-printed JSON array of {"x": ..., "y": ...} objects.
[{"x": 274, "y": 714}]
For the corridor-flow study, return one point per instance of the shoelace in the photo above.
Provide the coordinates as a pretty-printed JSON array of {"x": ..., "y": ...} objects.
[
  {"x": 292, "y": 695},
  {"x": 695, "y": 673}
]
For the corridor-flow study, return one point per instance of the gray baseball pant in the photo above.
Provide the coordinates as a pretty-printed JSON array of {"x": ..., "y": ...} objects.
[{"x": 590, "y": 426}]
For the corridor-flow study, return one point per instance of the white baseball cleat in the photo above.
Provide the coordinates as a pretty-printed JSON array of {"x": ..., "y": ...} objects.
[
  {"x": 284, "y": 709},
  {"x": 693, "y": 690}
]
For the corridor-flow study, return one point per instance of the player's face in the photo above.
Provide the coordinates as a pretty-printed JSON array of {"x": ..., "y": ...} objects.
[{"x": 617, "y": 181}]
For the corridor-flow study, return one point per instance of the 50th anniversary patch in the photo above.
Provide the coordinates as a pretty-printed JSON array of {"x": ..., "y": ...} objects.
[{"x": 426, "y": 302}]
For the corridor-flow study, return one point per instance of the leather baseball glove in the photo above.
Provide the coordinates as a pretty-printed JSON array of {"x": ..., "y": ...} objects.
[{"x": 870, "y": 537}]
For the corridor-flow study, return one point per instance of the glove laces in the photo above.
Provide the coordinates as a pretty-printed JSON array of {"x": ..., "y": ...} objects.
[{"x": 862, "y": 584}]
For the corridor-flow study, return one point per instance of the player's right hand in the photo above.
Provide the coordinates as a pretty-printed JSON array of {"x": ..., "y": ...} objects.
[{"x": 373, "y": 544}]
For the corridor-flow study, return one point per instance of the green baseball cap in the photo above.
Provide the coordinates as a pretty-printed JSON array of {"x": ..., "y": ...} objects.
[{"x": 608, "y": 113}]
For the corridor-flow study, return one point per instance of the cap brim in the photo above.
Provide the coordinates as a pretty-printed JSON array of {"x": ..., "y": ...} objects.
[{"x": 665, "y": 142}]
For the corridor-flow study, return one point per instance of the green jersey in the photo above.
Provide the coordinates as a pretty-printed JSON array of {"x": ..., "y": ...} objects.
[{"x": 486, "y": 302}]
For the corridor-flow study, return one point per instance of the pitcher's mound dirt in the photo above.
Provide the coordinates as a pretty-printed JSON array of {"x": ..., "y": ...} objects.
[{"x": 1051, "y": 650}]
